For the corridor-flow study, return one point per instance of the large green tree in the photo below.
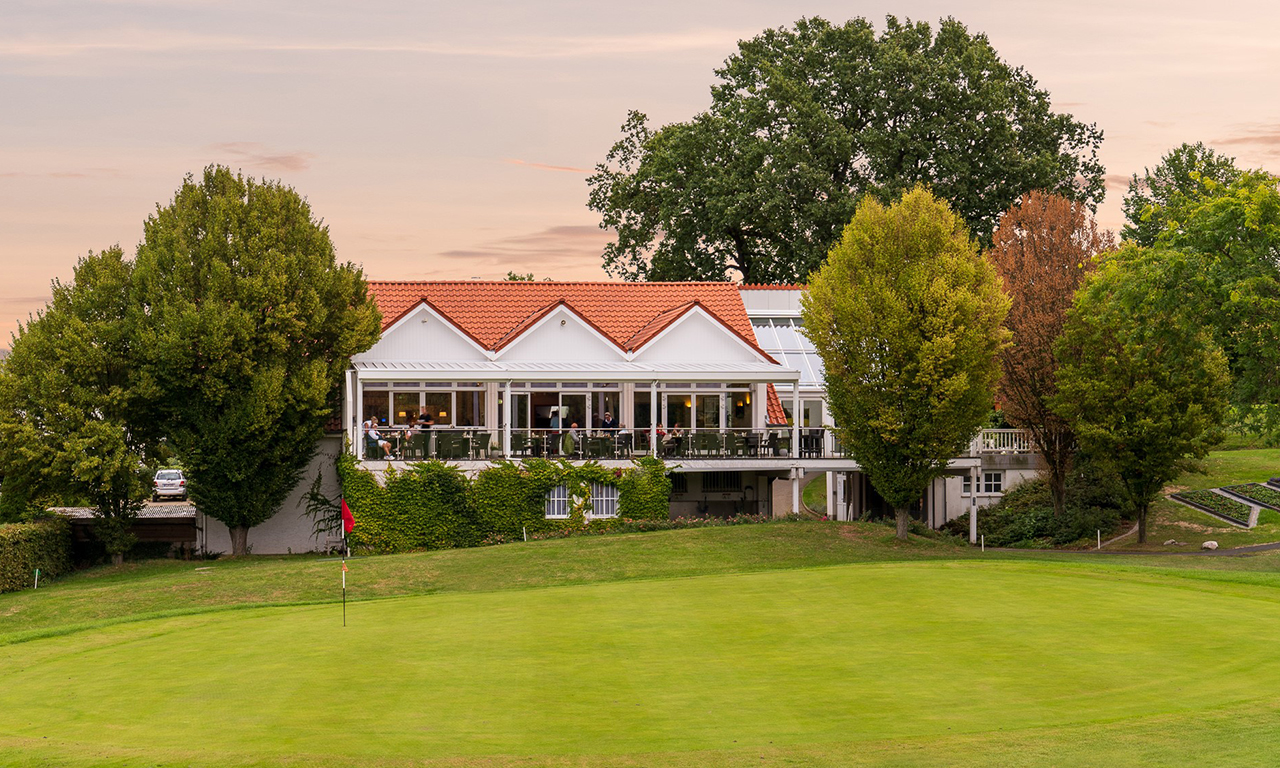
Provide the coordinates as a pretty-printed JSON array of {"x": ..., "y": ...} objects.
[
  {"x": 1232, "y": 231},
  {"x": 67, "y": 396},
  {"x": 804, "y": 121},
  {"x": 245, "y": 321},
  {"x": 906, "y": 316},
  {"x": 1143, "y": 387},
  {"x": 1184, "y": 176}
]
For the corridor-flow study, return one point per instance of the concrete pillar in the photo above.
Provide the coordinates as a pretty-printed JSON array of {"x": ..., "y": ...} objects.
[
  {"x": 506, "y": 419},
  {"x": 655, "y": 413},
  {"x": 795, "y": 420},
  {"x": 357, "y": 445},
  {"x": 795, "y": 490},
  {"x": 973, "y": 505}
]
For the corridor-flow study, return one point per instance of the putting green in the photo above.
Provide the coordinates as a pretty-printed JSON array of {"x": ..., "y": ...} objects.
[{"x": 769, "y": 660}]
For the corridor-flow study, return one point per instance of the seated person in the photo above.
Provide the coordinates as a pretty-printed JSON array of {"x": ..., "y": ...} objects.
[
  {"x": 371, "y": 432},
  {"x": 608, "y": 422}
]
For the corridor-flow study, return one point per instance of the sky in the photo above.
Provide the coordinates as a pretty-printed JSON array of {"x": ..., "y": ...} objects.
[{"x": 446, "y": 140}]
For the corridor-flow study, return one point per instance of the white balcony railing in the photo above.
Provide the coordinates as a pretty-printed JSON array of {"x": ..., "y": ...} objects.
[{"x": 1002, "y": 441}]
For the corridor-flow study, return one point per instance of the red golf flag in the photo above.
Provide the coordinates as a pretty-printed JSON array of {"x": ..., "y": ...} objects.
[{"x": 348, "y": 522}]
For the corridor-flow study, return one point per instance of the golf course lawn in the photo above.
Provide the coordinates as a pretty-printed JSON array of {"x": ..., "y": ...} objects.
[{"x": 948, "y": 662}]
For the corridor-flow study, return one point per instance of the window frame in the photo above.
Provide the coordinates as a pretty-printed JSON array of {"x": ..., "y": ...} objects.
[
  {"x": 604, "y": 496},
  {"x": 555, "y": 502}
]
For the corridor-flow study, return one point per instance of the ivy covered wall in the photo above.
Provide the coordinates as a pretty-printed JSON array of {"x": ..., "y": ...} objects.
[{"x": 435, "y": 506}]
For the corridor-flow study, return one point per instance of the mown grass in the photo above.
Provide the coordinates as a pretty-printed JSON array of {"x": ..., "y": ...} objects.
[
  {"x": 1172, "y": 521},
  {"x": 916, "y": 662}
]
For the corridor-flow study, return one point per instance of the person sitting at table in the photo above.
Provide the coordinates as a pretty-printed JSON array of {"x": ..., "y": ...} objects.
[
  {"x": 608, "y": 422},
  {"x": 671, "y": 442},
  {"x": 371, "y": 432},
  {"x": 569, "y": 443}
]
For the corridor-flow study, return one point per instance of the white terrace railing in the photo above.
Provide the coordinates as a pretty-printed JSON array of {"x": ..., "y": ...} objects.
[{"x": 1002, "y": 441}]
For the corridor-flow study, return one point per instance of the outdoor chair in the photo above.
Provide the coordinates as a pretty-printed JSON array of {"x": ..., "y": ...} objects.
[
  {"x": 416, "y": 446},
  {"x": 371, "y": 448},
  {"x": 521, "y": 445},
  {"x": 480, "y": 444}
]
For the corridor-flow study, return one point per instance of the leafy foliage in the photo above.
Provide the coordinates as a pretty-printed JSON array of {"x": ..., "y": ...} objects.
[
  {"x": 1043, "y": 249},
  {"x": 1185, "y": 175},
  {"x": 804, "y": 122},
  {"x": 1025, "y": 515},
  {"x": 1233, "y": 284},
  {"x": 423, "y": 507},
  {"x": 1142, "y": 386},
  {"x": 906, "y": 316},
  {"x": 68, "y": 394},
  {"x": 434, "y": 506},
  {"x": 24, "y": 547},
  {"x": 245, "y": 324}
]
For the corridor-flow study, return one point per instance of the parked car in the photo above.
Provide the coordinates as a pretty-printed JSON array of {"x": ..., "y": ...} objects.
[{"x": 169, "y": 483}]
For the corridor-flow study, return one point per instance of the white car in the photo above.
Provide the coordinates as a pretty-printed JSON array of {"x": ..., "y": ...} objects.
[{"x": 169, "y": 483}]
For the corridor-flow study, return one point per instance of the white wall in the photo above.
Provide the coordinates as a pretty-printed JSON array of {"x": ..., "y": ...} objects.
[
  {"x": 561, "y": 337},
  {"x": 696, "y": 338},
  {"x": 413, "y": 339},
  {"x": 289, "y": 530}
]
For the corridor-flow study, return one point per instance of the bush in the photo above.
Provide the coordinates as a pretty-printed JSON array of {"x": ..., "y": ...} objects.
[
  {"x": 433, "y": 505},
  {"x": 1024, "y": 518},
  {"x": 24, "y": 547},
  {"x": 423, "y": 507}
]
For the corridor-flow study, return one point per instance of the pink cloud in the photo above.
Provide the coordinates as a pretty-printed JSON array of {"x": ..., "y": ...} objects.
[{"x": 254, "y": 155}]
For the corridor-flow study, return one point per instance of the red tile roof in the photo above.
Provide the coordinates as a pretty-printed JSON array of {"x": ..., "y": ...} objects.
[
  {"x": 494, "y": 312},
  {"x": 762, "y": 287},
  {"x": 775, "y": 414}
]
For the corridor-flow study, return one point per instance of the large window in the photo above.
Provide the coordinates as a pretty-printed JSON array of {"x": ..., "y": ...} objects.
[
  {"x": 604, "y": 500},
  {"x": 557, "y": 505},
  {"x": 449, "y": 403}
]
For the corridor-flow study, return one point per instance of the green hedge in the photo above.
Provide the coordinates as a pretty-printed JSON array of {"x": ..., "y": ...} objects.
[
  {"x": 423, "y": 507},
  {"x": 435, "y": 506},
  {"x": 24, "y": 547}
]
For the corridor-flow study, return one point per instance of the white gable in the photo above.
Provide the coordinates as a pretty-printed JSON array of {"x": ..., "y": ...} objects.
[
  {"x": 561, "y": 336},
  {"x": 696, "y": 337},
  {"x": 423, "y": 335}
]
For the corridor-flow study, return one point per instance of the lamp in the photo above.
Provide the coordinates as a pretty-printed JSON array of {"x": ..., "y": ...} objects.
[
  {"x": 748, "y": 398},
  {"x": 444, "y": 414}
]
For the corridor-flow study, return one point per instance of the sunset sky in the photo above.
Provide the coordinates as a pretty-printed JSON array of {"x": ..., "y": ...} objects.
[{"x": 452, "y": 140}]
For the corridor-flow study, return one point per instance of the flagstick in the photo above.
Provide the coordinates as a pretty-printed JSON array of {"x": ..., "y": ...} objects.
[{"x": 344, "y": 579}]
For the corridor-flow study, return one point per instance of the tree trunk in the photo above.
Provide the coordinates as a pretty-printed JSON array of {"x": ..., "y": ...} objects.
[
  {"x": 239, "y": 541},
  {"x": 1058, "y": 492},
  {"x": 117, "y": 558},
  {"x": 904, "y": 517},
  {"x": 1142, "y": 524}
]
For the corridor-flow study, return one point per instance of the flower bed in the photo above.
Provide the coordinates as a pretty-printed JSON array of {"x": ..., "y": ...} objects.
[
  {"x": 1257, "y": 493},
  {"x": 1216, "y": 504}
]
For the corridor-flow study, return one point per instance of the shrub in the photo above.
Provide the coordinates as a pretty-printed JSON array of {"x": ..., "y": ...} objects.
[
  {"x": 433, "y": 505},
  {"x": 423, "y": 507},
  {"x": 24, "y": 547},
  {"x": 1024, "y": 518}
]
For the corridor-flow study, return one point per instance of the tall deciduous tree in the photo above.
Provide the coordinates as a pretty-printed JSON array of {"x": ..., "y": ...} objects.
[
  {"x": 1042, "y": 249},
  {"x": 246, "y": 321},
  {"x": 804, "y": 122},
  {"x": 67, "y": 392},
  {"x": 1185, "y": 175},
  {"x": 906, "y": 316},
  {"x": 1143, "y": 387},
  {"x": 1233, "y": 232}
]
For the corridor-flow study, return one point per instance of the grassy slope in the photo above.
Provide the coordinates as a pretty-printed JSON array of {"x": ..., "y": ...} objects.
[
  {"x": 1171, "y": 520},
  {"x": 900, "y": 663}
]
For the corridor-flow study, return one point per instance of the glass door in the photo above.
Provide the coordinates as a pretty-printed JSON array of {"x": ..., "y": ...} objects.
[
  {"x": 678, "y": 410},
  {"x": 707, "y": 415}
]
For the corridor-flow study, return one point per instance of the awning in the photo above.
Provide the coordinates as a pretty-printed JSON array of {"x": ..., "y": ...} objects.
[{"x": 489, "y": 370}]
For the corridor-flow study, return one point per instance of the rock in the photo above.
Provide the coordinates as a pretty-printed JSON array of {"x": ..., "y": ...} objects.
[{"x": 1209, "y": 545}]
